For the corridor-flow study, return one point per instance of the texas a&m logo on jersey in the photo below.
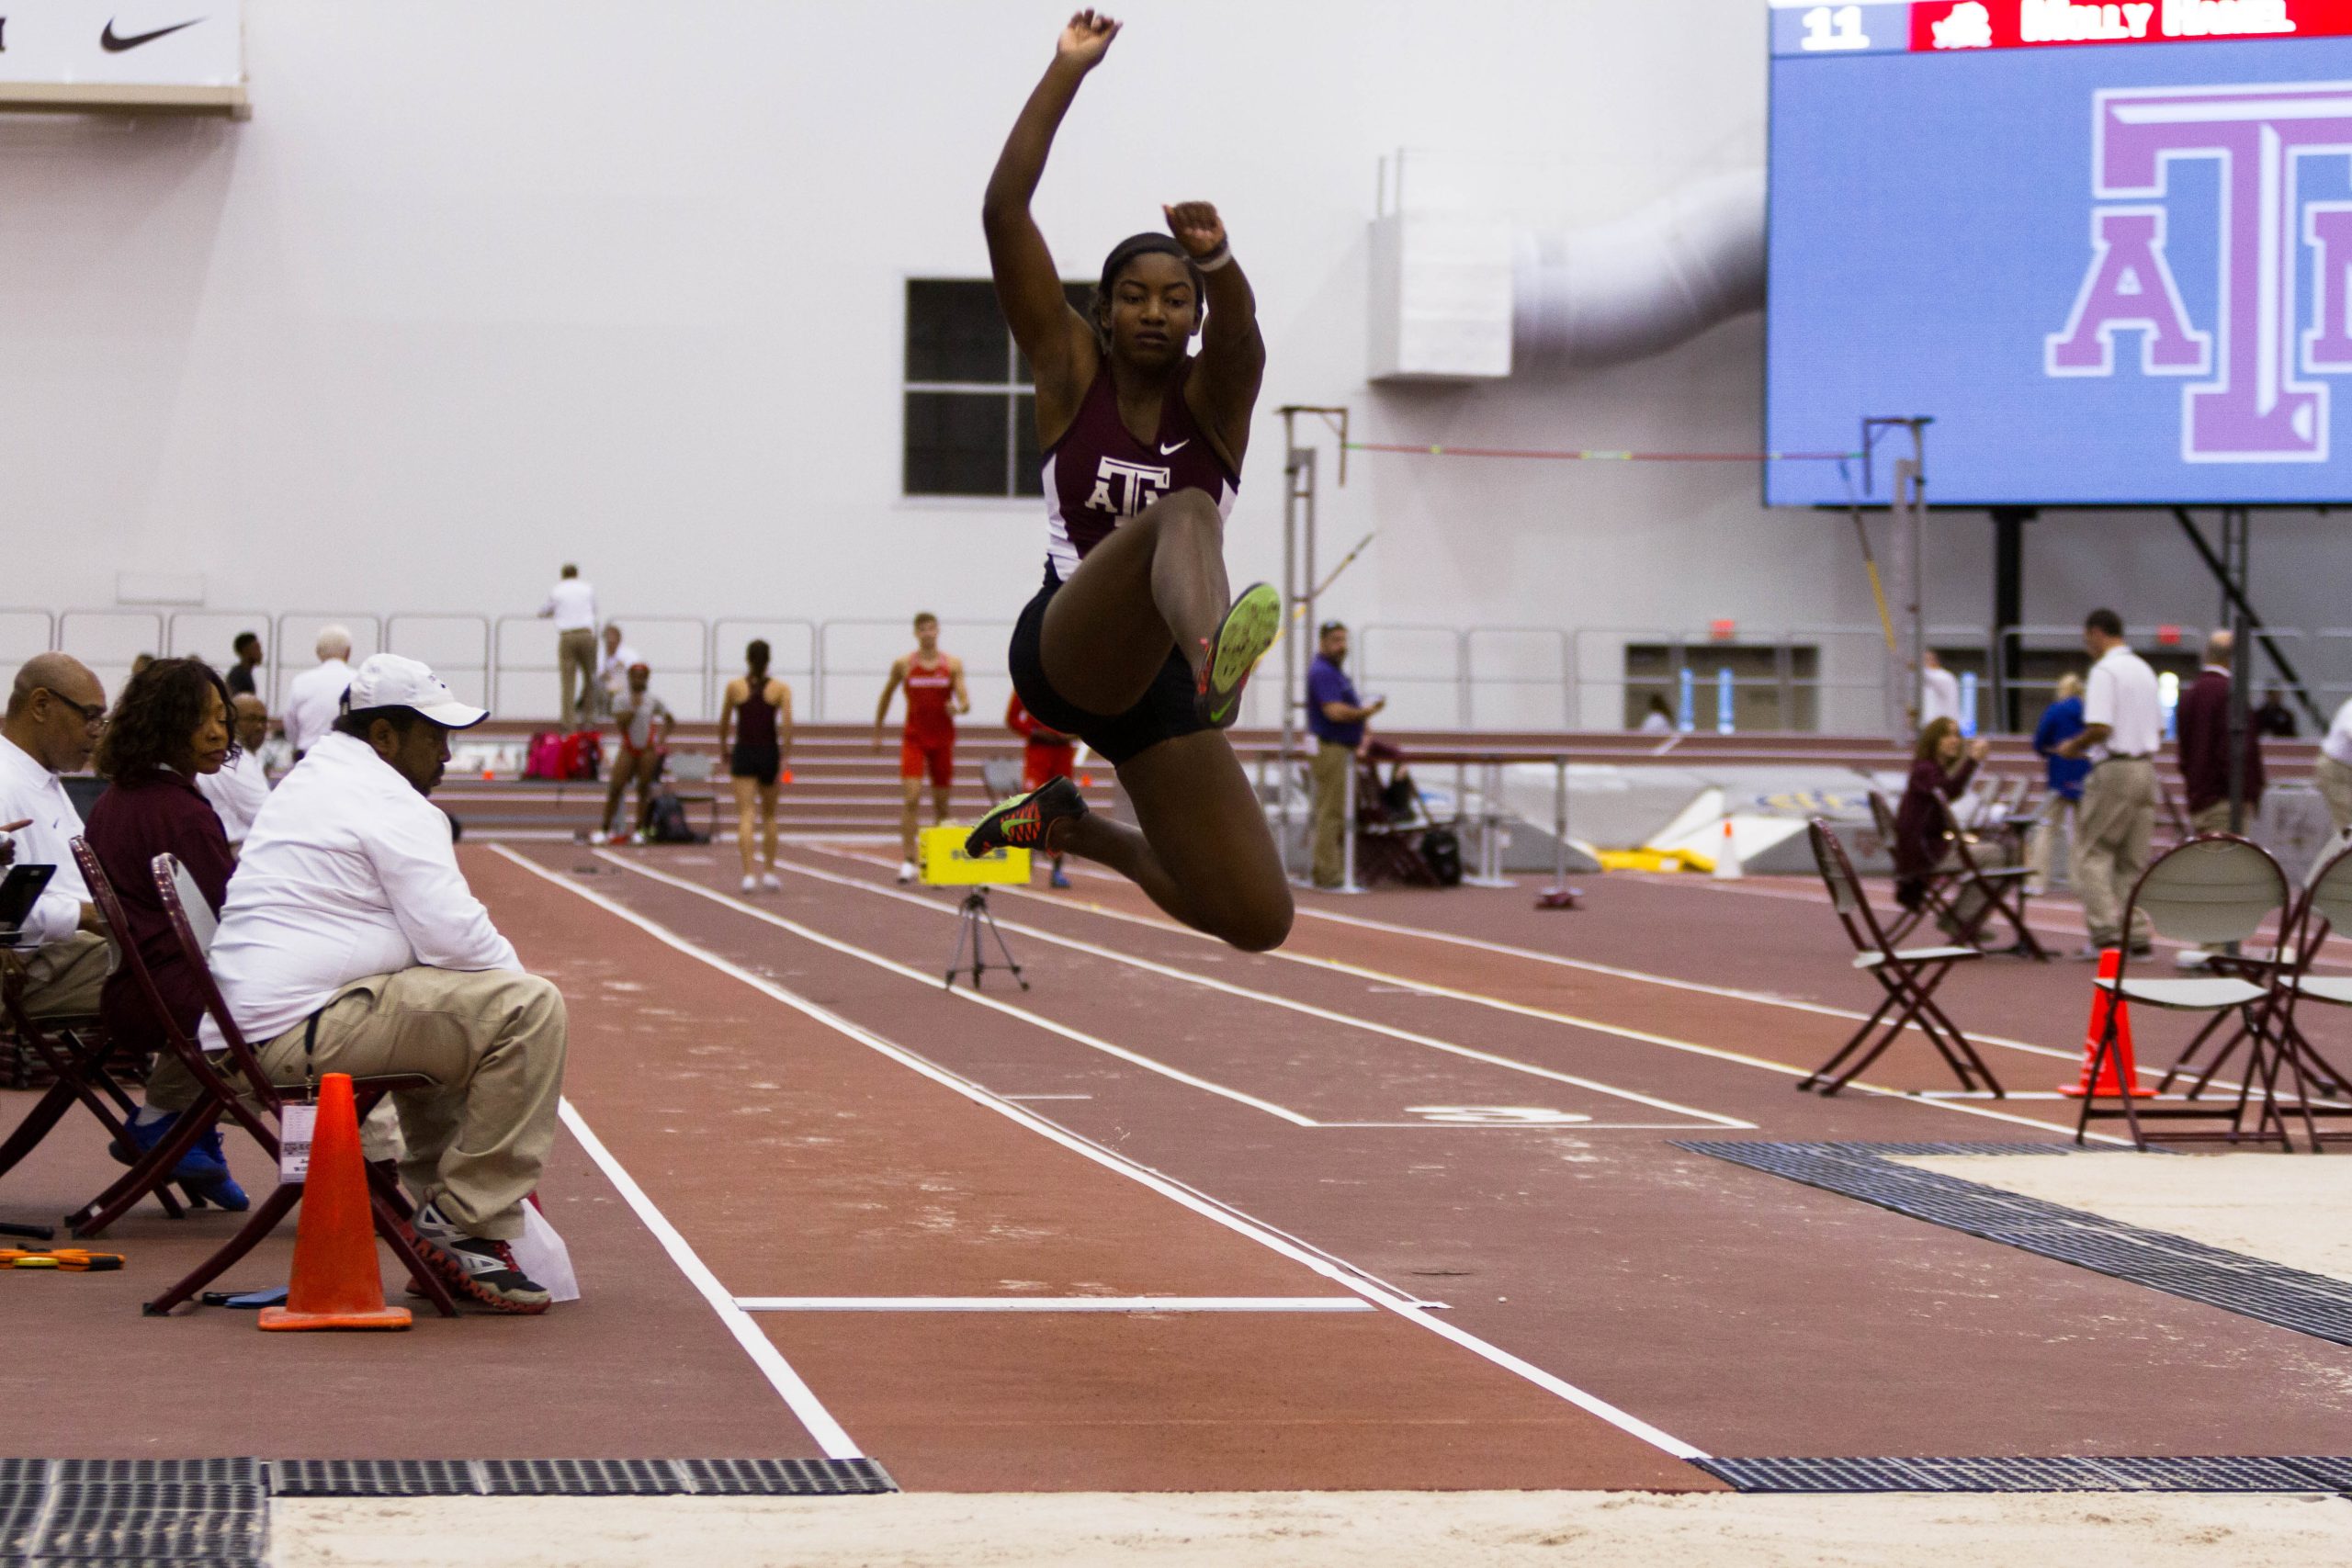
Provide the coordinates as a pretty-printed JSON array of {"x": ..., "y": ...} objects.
[{"x": 1124, "y": 489}]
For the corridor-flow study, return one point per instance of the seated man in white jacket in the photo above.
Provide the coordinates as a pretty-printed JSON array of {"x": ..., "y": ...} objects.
[{"x": 350, "y": 944}]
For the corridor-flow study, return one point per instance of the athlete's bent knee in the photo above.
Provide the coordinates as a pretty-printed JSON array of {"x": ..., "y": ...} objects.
[{"x": 1258, "y": 930}]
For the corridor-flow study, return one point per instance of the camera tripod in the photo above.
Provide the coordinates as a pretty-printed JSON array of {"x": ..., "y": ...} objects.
[{"x": 971, "y": 920}]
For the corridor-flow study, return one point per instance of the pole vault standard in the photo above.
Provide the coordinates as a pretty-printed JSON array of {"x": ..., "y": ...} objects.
[
  {"x": 1300, "y": 588},
  {"x": 1907, "y": 668}
]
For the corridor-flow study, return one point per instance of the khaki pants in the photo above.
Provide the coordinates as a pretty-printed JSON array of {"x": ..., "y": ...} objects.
[
  {"x": 2214, "y": 818},
  {"x": 2335, "y": 781},
  {"x": 62, "y": 980},
  {"x": 1327, "y": 820},
  {"x": 2117, "y": 819},
  {"x": 575, "y": 660},
  {"x": 493, "y": 1041},
  {"x": 2058, "y": 814}
]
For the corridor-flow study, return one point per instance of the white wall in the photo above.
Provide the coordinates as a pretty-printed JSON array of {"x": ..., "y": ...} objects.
[{"x": 484, "y": 286}]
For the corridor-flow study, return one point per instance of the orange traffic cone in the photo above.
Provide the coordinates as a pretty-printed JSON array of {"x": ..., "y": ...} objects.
[
  {"x": 2120, "y": 1070},
  {"x": 337, "y": 1283}
]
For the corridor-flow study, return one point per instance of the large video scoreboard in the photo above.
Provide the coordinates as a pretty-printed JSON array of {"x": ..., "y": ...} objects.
[{"x": 2107, "y": 246}]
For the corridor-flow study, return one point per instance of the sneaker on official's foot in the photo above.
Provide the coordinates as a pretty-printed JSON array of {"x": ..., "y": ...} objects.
[
  {"x": 906, "y": 871},
  {"x": 768, "y": 884},
  {"x": 1028, "y": 822},
  {"x": 203, "y": 1169},
  {"x": 478, "y": 1268},
  {"x": 1241, "y": 639},
  {"x": 750, "y": 882}
]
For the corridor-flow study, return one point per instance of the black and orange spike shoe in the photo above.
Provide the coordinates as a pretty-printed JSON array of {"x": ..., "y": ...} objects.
[{"x": 1028, "y": 821}]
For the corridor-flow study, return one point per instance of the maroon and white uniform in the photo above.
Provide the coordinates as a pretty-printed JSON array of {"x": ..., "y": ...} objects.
[{"x": 1098, "y": 474}]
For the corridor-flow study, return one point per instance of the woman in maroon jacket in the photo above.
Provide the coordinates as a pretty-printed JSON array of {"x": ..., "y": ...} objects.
[
  {"x": 170, "y": 725},
  {"x": 1941, "y": 766}
]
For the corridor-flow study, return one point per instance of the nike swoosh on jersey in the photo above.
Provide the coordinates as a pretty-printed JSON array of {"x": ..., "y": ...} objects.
[
  {"x": 112, "y": 44},
  {"x": 1172, "y": 451}
]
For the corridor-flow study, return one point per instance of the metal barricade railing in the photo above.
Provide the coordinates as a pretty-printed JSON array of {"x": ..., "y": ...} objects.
[
  {"x": 211, "y": 635},
  {"x": 109, "y": 641},
  {"x": 457, "y": 646},
  {"x": 295, "y": 655},
  {"x": 1554, "y": 692},
  {"x": 1429, "y": 667},
  {"x": 19, "y": 641},
  {"x": 675, "y": 647}
]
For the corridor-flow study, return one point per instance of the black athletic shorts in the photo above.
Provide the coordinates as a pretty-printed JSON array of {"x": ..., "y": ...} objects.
[
  {"x": 762, "y": 763},
  {"x": 1168, "y": 708}
]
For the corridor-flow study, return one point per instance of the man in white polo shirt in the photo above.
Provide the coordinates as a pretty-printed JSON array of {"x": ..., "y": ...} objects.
[
  {"x": 314, "y": 696},
  {"x": 351, "y": 944},
  {"x": 55, "y": 711},
  {"x": 2334, "y": 773},
  {"x": 2123, "y": 724},
  {"x": 572, "y": 605}
]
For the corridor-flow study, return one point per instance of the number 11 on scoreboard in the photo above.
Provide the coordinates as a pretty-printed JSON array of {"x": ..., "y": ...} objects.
[{"x": 1833, "y": 29}]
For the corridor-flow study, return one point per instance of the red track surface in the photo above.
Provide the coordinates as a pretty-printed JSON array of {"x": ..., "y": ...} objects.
[{"x": 883, "y": 1138}]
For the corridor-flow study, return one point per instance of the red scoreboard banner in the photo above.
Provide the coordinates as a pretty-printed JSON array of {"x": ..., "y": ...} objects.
[{"x": 1945, "y": 26}]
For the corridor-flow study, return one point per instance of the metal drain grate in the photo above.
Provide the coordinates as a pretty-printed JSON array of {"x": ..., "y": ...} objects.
[
  {"x": 577, "y": 1477},
  {"x": 2251, "y": 1286},
  {"x": 2150, "y": 1473},
  {"x": 174, "y": 1521}
]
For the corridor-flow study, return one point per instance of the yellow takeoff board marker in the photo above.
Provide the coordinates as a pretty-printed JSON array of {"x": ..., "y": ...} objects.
[{"x": 941, "y": 862}]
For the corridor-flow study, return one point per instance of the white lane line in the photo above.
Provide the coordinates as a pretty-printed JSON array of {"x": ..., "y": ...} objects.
[
  {"x": 1055, "y": 1303},
  {"x": 1644, "y": 1036},
  {"x": 1222, "y": 1214},
  {"x": 803, "y": 1401},
  {"x": 1267, "y": 997},
  {"x": 978, "y": 998}
]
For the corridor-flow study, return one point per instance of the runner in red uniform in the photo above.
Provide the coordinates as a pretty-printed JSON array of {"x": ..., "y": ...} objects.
[
  {"x": 1046, "y": 755},
  {"x": 1135, "y": 643},
  {"x": 936, "y": 694}
]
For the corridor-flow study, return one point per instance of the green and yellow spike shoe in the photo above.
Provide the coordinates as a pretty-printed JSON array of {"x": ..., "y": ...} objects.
[
  {"x": 1242, "y": 638},
  {"x": 1024, "y": 821}
]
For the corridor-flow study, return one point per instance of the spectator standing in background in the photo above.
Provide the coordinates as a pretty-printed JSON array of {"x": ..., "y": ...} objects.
[
  {"x": 645, "y": 721},
  {"x": 2201, "y": 731},
  {"x": 316, "y": 695},
  {"x": 1336, "y": 715},
  {"x": 241, "y": 674},
  {"x": 2334, "y": 775},
  {"x": 1659, "y": 720},
  {"x": 572, "y": 605},
  {"x": 56, "y": 712},
  {"x": 2061, "y": 809},
  {"x": 2123, "y": 723},
  {"x": 1939, "y": 691},
  {"x": 242, "y": 784},
  {"x": 611, "y": 670},
  {"x": 2274, "y": 718}
]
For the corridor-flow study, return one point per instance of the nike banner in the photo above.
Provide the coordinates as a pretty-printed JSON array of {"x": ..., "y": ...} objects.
[{"x": 60, "y": 43}]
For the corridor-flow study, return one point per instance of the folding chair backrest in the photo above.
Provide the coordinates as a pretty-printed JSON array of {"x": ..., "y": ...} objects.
[
  {"x": 2331, "y": 892},
  {"x": 692, "y": 767},
  {"x": 1846, "y": 896},
  {"x": 2211, "y": 890},
  {"x": 181, "y": 909},
  {"x": 202, "y": 922},
  {"x": 1883, "y": 818}
]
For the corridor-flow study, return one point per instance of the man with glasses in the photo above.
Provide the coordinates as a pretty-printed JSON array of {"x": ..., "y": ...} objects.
[{"x": 56, "y": 709}]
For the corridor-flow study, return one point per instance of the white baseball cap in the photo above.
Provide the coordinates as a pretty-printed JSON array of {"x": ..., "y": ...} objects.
[{"x": 389, "y": 680}]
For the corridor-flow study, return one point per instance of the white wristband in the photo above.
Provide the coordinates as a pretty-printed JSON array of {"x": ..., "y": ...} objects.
[{"x": 1221, "y": 256}]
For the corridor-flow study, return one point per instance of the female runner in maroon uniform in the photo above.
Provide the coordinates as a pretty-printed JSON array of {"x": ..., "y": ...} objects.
[{"x": 1135, "y": 643}]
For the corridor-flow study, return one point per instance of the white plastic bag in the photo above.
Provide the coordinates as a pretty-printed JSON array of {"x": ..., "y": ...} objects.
[{"x": 540, "y": 1252}]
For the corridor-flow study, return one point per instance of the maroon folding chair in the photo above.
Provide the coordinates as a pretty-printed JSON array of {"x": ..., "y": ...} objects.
[
  {"x": 2215, "y": 889},
  {"x": 256, "y": 1108},
  {"x": 76, "y": 1057},
  {"x": 1908, "y": 976},
  {"x": 1935, "y": 896},
  {"x": 2000, "y": 889}
]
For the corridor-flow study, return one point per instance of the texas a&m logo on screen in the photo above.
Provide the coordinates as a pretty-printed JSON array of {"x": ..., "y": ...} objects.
[{"x": 2254, "y": 395}]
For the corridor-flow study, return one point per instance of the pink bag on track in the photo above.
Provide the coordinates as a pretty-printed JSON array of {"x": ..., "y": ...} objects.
[{"x": 545, "y": 758}]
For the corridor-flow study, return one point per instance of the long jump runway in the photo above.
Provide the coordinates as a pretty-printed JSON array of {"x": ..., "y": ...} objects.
[{"x": 1398, "y": 1206}]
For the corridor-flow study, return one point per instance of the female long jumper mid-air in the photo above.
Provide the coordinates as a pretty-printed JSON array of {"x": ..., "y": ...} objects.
[{"x": 1135, "y": 643}]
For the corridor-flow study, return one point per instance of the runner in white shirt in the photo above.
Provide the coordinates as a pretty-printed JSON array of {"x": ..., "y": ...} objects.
[
  {"x": 55, "y": 709},
  {"x": 572, "y": 605},
  {"x": 313, "y": 698},
  {"x": 238, "y": 790},
  {"x": 350, "y": 942},
  {"x": 2124, "y": 724}
]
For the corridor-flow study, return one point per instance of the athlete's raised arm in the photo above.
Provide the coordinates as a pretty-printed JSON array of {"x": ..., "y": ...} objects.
[
  {"x": 1058, "y": 342},
  {"x": 1223, "y": 389}
]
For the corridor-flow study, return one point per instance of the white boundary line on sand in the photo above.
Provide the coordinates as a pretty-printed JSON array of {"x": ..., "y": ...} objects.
[
  {"x": 1054, "y": 1303},
  {"x": 1227, "y": 987},
  {"x": 1572, "y": 1020},
  {"x": 1410, "y": 1311},
  {"x": 798, "y": 1396}
]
